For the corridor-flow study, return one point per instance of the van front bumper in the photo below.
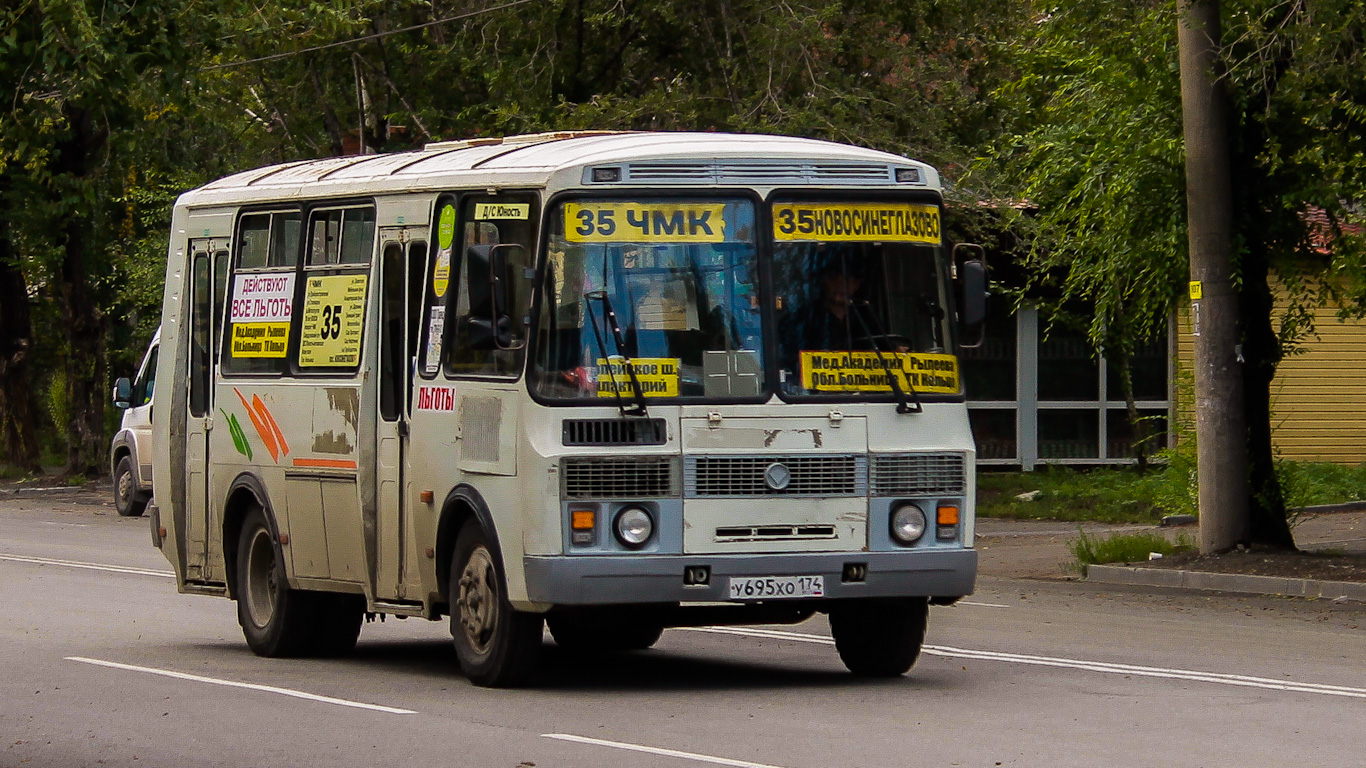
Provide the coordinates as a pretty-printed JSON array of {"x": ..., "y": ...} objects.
[{"x": 618, "y": 579}]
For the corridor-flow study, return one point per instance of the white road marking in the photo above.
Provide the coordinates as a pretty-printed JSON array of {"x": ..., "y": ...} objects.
[
  {"x": 1243, "y": 681},
  {"x": 658, "y": 751},
  {"x": 981, "y": 605},
  {"x": 87, "y": 566},
  {"x": 248, "y": 686}
]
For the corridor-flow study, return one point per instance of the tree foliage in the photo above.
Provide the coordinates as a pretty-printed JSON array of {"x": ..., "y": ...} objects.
[{"x": 1096, "y": 148}]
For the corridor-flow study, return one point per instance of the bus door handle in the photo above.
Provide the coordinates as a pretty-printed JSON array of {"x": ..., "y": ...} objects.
[{"x": 402, "y": 427}]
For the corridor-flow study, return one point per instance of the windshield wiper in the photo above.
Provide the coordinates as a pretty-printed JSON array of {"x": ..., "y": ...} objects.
[
  {"x": 903, "y": 405},
  {"x": 637, "y": 407}
]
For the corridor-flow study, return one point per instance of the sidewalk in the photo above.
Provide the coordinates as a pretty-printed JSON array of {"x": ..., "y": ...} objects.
[{"x": 1033, "y": 549}]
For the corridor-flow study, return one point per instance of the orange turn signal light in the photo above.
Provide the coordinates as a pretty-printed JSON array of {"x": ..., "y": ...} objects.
[
  {"x": 582, "y": 519},
  {"x": 947, "y": 515}
]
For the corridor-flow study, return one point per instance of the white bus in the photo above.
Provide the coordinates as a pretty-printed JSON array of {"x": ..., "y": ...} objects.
[{"x": 606, "y": 383}]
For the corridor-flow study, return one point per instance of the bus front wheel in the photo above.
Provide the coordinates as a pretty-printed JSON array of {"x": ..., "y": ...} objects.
[
  {"x": 880, "y": 638},
  {"x": 497, "y": 646}
]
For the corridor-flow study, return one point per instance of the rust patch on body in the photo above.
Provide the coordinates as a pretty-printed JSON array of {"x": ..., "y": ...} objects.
[
  {"x": 331, "y": 442},
  {"x": 345, "y": 401}
]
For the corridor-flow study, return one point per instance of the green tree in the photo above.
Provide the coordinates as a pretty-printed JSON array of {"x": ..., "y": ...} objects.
[
  {"x": 1097, "y": 148},
  {"x": 78, "y": 75}
]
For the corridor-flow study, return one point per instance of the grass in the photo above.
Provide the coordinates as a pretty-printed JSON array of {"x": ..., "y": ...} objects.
[
  {"x": 1125, "y": 495},
  {"x": 1102, "y": 494},
  {"x": 1124, "y": 548}
]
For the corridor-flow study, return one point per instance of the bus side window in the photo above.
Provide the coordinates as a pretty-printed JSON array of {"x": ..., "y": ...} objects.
[
  {"x": 259, "y": 293},
  {"x": 503, "y": 221},
  {"x": 200, "y": 305}
]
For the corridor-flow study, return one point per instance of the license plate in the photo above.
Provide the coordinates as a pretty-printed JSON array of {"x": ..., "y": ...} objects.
[{"x": 776, "y": 587}]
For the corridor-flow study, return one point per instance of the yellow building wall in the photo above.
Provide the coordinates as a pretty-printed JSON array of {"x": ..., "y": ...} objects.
[{"x": 1318, "y": 398}]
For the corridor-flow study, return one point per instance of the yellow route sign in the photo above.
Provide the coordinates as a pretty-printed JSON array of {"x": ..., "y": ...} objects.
[
  {"x": 658, "y": 377},
  {"x": 630, "y": 222},
  {"x": 845, "y": 371},
  {"x": 857, "y": 222},
  {"x": 333, "y": 321}
]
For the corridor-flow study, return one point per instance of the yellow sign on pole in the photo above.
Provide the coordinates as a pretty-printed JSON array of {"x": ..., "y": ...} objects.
[{"x": 333, "y": 321}]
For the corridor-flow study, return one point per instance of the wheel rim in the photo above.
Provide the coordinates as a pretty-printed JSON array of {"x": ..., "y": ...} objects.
[
  {"x": 261, "y": 574},
  {"x": 478, "y": 600},
  {"x": 125, "y": 486}
]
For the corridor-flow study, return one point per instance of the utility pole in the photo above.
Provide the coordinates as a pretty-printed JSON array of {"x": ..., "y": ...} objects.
[{"x": 1220, "y": 427}]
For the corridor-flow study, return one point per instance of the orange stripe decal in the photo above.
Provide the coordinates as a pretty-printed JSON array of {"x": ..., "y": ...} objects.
[
  {"x": 328, "y": 463},
  {"x": 267, "y": 436},
  {"x": 270, "y": 420}
]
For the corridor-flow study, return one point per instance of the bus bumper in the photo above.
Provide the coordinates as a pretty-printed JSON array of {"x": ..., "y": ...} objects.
[{"x": 607, "y": 580}]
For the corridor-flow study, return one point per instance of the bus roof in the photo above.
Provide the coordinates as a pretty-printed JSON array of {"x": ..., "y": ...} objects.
[{"x": 531, "y": 160}]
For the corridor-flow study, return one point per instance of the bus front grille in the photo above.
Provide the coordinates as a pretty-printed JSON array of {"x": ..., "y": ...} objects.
[
  {"x": 610, "y": 477},
  {"x": 598, "y": 432},
  {"x": 919, "y": 474},
  {"x": 806, "y": 475}
]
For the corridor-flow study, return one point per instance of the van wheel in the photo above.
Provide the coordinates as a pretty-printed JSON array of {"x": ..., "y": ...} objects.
[
  {"x": 497, "y": 646},
  {"x": 276, "y": 620},
  {"x": 880, "y": 638},
  {"x": 590, "y": 631},
  {"x": 127, "y": 501}
]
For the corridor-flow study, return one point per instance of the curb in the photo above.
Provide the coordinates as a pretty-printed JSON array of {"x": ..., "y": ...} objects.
[
  {"x": 1346, "y": 506},
  {"x": 36, "y": 491},
  {"x": 1226, "y": 582}
]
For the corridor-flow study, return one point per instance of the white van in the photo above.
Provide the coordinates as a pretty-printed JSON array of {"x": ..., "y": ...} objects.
[{"x": 130, "y": 455}]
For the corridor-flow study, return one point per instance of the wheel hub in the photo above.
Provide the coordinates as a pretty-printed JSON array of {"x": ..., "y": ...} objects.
[
  {"x": 478, "y": 600},
  {"x": 261, "y": 580}
]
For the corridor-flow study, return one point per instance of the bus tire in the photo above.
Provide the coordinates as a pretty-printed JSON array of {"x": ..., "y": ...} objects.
[
  {"x": 277, "y": 621},
  {"x": 497, "y": 646},
  {"x": 587, "y": 633},
  {"x": 128, "y": 502},
  {"x": 880, "y": 638}
]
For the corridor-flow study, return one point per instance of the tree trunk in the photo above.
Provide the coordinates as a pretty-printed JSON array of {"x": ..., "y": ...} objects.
[
  {"x": 85, "y": 347},
  {"x": 1261, "y": 352},
  {"x": 20, "y": 429}
]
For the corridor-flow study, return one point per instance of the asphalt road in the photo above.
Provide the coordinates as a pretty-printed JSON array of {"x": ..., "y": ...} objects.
[{"x": 103, "y": 664}]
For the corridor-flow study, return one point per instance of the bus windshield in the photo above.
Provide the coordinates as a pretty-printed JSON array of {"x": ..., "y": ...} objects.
[
  {"x": 660, "y": 290},
  {"x": 861, "y": 297}
]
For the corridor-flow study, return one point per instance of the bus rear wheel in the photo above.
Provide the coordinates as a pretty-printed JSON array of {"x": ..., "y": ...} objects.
[
  {"x": 880, "y": 638},
  {"x": 278, "y": 621},
  {"x": 497, "y": 646},
  {"x": 274, "y": 618}
]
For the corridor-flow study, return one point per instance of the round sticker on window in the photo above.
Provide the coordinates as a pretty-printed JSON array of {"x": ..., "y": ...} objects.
[{"x": 445, "y": 228}]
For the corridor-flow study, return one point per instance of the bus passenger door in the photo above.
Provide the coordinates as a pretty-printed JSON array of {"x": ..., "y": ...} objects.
[
  {"x": 200, "y": 535},
  {"x": 400, "y": 299}
]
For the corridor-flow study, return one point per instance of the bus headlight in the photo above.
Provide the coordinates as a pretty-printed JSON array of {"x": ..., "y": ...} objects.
[
  {"x": 908, "y": 523},
  {"x": 634, "y": 527}
]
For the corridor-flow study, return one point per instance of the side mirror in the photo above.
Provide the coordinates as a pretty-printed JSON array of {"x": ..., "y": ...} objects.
[
  {"x": 971, "y": 296},
  {"x": 491, "y": 292},
  {"x": 123, "y": 392}
]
